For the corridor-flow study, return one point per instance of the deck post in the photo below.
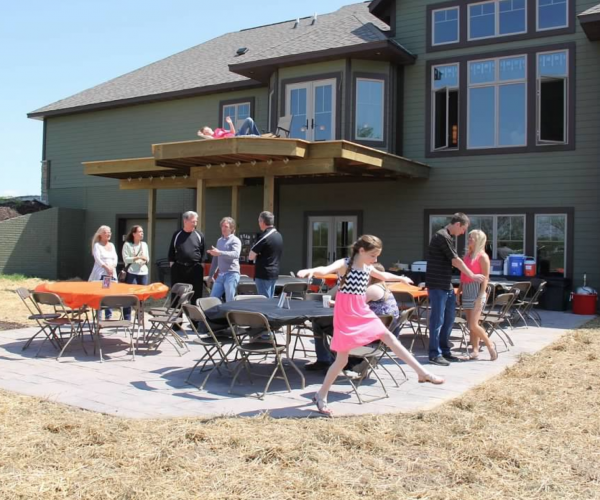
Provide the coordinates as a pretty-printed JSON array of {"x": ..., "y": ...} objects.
[
  {"x": 201, "y": 204},
  {"x": 151, "y": 230},
  {"x": 269, "y": 193},
  {"x": 235, "y": 202}
]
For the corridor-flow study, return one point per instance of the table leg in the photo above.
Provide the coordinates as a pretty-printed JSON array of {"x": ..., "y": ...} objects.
[{"x": 288, "y": 339}]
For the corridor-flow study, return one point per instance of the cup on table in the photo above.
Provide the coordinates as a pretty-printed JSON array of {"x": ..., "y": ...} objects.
[{"x": 326, "y": 300}]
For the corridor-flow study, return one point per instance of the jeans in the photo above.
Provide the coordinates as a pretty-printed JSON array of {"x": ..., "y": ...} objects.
[
  {"x": 134, "y": 279},
  {"x": 265, "y": 287},
  {"x": 248, "y": 128},
  {"x": 441, "y": 320},
  {"x": 226, "y": 283},
  {"x": 324, "y": 355}
]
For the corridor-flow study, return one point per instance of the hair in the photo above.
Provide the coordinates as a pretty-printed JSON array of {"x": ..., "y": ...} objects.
[
  {"x": 366, "y": 242},
  {"x": 134, "y": 229},
  {"x": 202, "y": 129},
  {"x": 97, "y": 234},
  {"x": 230, "y": 221},
  {"x": 480, "y": 240},
  {"x": 460, "y": 217},
  {"x": 267, "y": 217},
  {"x": 188, "y": 215}
]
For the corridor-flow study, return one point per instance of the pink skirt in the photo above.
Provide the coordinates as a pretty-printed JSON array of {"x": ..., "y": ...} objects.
[{"x": 354, "y": 324}]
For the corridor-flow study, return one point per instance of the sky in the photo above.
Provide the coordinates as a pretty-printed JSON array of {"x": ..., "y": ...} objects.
[{"x": 52, "y": 49}]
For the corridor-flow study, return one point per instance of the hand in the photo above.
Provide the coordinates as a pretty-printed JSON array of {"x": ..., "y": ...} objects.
[
  {"x": 228, "y": 120},
  {"x": 214, "y": 251},
  {"x": 305, "y": 273},
  {"x": 479, "y": 278},
  {"x": 171, "y": 264},
  {"x": 407, "y": 280},
  {"x": 252, "y": 256}
]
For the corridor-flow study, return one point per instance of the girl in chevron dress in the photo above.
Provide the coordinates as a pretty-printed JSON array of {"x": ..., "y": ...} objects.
[{"x": 354, "y": 324}]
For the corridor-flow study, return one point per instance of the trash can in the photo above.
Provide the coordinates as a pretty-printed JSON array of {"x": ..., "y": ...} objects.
[
  {"x": 584, "y": 303},
  {"x": 164, "y": 271},
  {"x": 556, "y": 295}
]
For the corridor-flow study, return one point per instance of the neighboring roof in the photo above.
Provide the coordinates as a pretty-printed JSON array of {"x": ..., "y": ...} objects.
[
  {"x": 380, "y": 7},
  {"x": 205, "y": 68},
  {"x": 590, "y": 22}
]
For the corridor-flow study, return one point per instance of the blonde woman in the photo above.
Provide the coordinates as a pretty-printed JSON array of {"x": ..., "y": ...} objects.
[
  {"x": 105, "y": 258},
  {"x": 473, "y": 293}
]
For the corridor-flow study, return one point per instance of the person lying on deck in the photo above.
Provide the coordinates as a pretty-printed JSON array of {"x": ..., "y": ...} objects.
[{"x": 248, "y": 128}]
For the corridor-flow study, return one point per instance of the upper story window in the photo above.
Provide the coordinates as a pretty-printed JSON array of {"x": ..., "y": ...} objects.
[
  {"x": 445, "y": 86},
  {"x": 552, "y": 14},
  {"x": 552, "y": 97},
  {"x": 497, "y": 107},
  {"x": 446, "y": 26},
  {"x": 369, "y": 109},
  {"x": 497, "y": 18},
  {"x": 238, "y": 112}
]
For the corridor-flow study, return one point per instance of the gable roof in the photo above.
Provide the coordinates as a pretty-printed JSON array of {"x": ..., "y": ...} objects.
[
  {"x": 205, "y": 68},
  {"x": 590, "y": 22}
]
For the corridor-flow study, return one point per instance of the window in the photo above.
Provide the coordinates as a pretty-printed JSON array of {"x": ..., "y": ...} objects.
[
  {"x": 552, "y": 92},
  {"x": 445, "y": 26},
  {"x": 497, "y": 18},
  {"x": 444, "y": 106},
  {"x": 550, "y": 243},
  {"x": 552, "y": 14},
  {"x": 237, "y": 112},
  {"x": 369, "y": 109},
  {"x": 497, "y": 107}
]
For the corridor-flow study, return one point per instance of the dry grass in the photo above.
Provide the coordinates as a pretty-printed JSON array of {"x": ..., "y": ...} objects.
[{"x": 532, "y": 433}]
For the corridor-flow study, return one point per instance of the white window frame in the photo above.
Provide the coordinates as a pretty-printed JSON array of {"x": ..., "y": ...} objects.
[
  {"x": 535, "y": 236},
  {"x": 383, "y": 90},
  {"x": 310, "y": 103},
  {"x": 538, "y": 82},
  {"x": 434, "y": 91},
  {"x": 457, "y": 9},
  {"x": 235, "y": 105},
  {"x": 497, "y": 84},
  {"x": 496, "y": 21},
  {"x": 537, "y": 17}
]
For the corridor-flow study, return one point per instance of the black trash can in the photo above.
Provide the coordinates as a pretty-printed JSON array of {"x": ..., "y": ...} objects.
[
  {"x": 164, "y": 271},
  {"x": 556, "y": 295}
]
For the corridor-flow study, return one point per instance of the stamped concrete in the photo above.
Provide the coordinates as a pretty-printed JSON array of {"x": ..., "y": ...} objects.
[{"x": 153, "y": 386}]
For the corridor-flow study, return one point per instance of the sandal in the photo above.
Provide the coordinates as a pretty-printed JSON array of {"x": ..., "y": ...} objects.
[
  {"x": 430, "y": 377},
  {"x": 493, "y": 354},
  {"x": 474, "y": 356},
  {"x": 322, "y": 407}
]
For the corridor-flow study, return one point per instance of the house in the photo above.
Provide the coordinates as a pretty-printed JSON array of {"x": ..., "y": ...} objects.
[{"x": 405, "y": 111}]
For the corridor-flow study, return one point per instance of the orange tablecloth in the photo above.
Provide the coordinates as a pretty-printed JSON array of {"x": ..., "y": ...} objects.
[
  {"x": 330, "y": 279},
  {"x": 415, "y": 291},
  {"x": 76, "y": 294}
]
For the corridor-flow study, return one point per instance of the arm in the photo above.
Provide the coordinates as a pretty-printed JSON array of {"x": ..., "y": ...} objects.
[
  {"x": 337, "y": 267},
  {"x": 230, "y": 123},
  {"x": 485, "y": 271},
  {"x": 461, "y": 266},
  {"x": 98, "y": 259},
  {"x": 127, "y": 252},
  {"x": 172, "y": 249},
  {"x": 144, "y": 255},
  {"x": 374, "y": 293},
  {"x": 384, "y": 276},
  {"x": 202, "y": 136},
  {"x": 214, "y": 264}
]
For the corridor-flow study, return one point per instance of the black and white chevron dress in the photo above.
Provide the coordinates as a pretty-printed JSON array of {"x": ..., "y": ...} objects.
[{"x": 354, "y": 324}]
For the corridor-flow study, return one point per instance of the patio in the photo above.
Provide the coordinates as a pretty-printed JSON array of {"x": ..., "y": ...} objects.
[{"x": 154, "y": 385}]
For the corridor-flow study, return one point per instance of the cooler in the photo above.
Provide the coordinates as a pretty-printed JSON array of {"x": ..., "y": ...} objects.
[
  {"x": 530, "y": 267},
  {"x": 516, "y": 264},
  {"x": 584, "y": 303}
]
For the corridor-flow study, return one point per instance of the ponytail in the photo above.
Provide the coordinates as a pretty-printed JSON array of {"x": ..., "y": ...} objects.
[{"x": 349, "y": 267}]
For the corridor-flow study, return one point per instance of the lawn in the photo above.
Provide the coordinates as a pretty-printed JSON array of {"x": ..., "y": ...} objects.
[{"x": 531, "y": 433}]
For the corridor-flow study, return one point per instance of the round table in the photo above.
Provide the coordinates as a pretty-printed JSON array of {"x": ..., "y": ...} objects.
[{"x": 76, "y": 294}]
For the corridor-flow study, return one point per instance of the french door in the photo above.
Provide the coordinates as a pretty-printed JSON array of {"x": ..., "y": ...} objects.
[
  {"x": 312, "y": 106},
  {"x": 330, "y": 238}
]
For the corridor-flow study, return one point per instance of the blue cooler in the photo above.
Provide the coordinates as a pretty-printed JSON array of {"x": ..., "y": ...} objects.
[{"x": 516, "y": 265}]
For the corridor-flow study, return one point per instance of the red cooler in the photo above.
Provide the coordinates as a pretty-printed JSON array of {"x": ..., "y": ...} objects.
[{"x": 584, "y": 303}]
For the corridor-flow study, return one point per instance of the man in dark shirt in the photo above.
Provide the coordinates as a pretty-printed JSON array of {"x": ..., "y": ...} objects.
[
  {"x": 441, "y": 258},
  {"x": 185, "y": 255},
  {"x": 266, "y": 253}
]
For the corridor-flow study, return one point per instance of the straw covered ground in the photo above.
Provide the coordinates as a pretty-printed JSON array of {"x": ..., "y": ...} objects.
[{"x": 531, "y": 433}]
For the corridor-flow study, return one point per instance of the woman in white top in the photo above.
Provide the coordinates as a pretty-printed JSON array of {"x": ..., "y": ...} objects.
[
  {"x": 136, "y": 256},
  {"x": 105, "y": 258}
]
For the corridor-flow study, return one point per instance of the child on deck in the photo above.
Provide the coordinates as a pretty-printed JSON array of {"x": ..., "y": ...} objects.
[{"x": 354, "y": 324}]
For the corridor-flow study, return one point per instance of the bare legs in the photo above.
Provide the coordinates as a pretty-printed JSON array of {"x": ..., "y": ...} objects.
[
  {"x": 397, "y": 348},
  {"x": 477, "y": 333}
]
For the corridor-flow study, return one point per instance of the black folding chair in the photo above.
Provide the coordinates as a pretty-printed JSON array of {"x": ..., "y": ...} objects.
[{"x": 129, "y": 326}]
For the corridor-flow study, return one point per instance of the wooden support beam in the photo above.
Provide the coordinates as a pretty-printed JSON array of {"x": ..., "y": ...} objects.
[
  {"x": 201, "y": 203},
  {"x": 177, "y": 183},
  {"x": 235, "y": 202},
  {"x": 151, "y": 230},
  {"x": 269, "y": 194},
  {"x": 131, "y": 167},
  {"x": 276, "y": 168}
]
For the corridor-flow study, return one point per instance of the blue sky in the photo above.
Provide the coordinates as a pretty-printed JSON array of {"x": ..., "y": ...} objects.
[{"x": 50, "y": 50}]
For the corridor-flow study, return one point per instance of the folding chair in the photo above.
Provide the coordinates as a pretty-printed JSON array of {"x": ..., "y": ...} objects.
[
  {"x": 515, "y": 313},
  {"x": 249, "y": 297},
  {"x": 295, "y": 290},
  {"x": 297, "y": 331},
  {"x": 68, "y": 319},
  {"x": 161, "y": 327},
  {"x": 247, "y": 346},
  {"x": 497, "y": 315},
  {"x": 36, "y": 314},
  {"x": 117, "y": 302},
  {"x": 172, "y": 299},
  {"x": 248, "y": 288},
  {"x": 528, "y": 310},
  {"x": 418, "y": 319},
  {"x": 213, "y": 344},
  {"x": 284, "y": 126}
]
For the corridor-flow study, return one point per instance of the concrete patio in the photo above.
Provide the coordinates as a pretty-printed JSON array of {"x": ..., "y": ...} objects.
[{"x": 154, "y": 385}]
